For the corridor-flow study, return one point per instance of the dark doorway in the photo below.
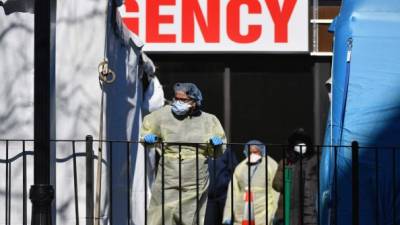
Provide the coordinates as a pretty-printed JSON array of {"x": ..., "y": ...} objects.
[{"x": 270, "y": 95}]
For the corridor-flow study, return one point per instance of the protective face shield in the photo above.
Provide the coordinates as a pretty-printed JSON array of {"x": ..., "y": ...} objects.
[
  {"x": 180, "y": 108},
  {"x": 254, "y": 158},
  {"x": 300, "y": 148}
]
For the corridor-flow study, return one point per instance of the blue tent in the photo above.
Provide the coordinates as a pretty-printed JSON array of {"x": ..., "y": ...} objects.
[{"x": 366, "y": 108}]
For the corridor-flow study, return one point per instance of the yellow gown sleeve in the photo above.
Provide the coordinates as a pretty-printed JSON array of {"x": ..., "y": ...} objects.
[
  {"x": 151, "y": 125},
  {"x": 218, "y": 130}
]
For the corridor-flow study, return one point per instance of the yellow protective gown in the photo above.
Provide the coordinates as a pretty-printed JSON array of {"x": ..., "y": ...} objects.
[
  {"x": 198, "y": 128},
  {"x": 258, "y": 188}
]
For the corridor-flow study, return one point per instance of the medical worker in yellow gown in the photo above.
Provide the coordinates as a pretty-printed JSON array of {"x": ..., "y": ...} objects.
[
  {"x": 182, "y": 122},
  {"x": 260, "y": 182}
]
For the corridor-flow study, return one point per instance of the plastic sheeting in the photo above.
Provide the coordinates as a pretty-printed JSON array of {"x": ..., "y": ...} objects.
[
  {"x": 80, "y": 45},
  {"x": 80, "y": 38},
  {"x": 123, "y": 116},
  {"x": 366, "y": 108}
]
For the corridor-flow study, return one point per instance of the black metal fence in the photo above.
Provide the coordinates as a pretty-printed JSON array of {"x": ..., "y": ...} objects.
[{"x": 24, "y": 148}]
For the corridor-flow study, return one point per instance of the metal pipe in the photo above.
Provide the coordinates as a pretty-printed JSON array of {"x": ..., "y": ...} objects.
[
  {"x": 75, "y": 184},
  {"x": 42, "y": 193},
  {"x": 215, "y": 174},
  {"x": 180, "y": 185},
  {"x": 128, "y": 180},
  {"x": 355, "y": 181},
  {"x": 266, "y": 185},
  {"x": 110, "y": 183},
  {"x": 7, "y": 190},
  {"x": 197, "y": 185},
  {"x": 89, "y": 180},
  {"x": 24, "y": 202},
  {"x": 301, "y": 187},
  {"x": 162, "y": 184},
  {"x": 377, "y": 185},
  {"x": 227, "y": 103},
  {"x": 318, "y": 188},
  {"x": 283, "y": 182},
  {"x": 394, "y": 186},
  {"x": 145, "y": 183},
  {"x": 336, "y": 185},
  {"x": 249, "y": 182},
  {"x": 232, "y": 196}
]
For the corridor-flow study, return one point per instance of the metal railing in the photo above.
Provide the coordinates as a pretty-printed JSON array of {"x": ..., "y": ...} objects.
[{"x": 19, "y": 154}]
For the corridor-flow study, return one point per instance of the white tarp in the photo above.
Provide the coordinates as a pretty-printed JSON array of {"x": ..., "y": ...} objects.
[
  {"x": 80, "y": 46},
  {"x": 16, "y": 105},
  {"x": 123, "y": 120}
]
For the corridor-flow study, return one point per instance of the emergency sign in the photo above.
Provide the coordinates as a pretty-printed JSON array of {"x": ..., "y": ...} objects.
[{"x": 219, "y": 25}]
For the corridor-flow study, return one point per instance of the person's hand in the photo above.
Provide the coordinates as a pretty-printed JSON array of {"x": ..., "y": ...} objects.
[
  {"x": 227, "y": 222},
  {"x": 150, "y": 138},
  {"x": 216, "y": 141}
]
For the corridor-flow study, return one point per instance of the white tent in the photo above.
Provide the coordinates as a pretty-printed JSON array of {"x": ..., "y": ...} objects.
[{"x": 80, "y": 47}]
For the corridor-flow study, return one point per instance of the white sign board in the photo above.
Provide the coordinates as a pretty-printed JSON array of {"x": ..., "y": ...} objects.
[{"x": 219, "y": 25}]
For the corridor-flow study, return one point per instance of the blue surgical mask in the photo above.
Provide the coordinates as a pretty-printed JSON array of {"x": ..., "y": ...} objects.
[{"x": 180, "y": 108}]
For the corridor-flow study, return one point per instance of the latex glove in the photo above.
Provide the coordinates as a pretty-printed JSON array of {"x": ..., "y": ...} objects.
[
  {"x": 150, "y": 138},
  {"x": 227, "y": 222},
  {"x": 216, "y": 141}
]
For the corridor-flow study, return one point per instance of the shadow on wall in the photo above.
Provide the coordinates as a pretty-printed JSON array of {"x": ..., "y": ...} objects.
[{"x": 16, "y": 68}]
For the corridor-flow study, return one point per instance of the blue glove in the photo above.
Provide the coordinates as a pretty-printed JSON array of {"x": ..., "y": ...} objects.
[
  {"x": 216, "y": 141},
  {"x": 150, "y": 139},
  {"x": 227, "y": 222}
]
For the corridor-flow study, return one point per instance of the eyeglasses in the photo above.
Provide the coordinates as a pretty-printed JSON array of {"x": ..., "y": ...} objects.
[{"x": 186, "y": 100}]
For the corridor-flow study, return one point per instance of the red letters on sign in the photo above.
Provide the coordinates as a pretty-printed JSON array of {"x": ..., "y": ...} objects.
[
  {"x": 154, "y": 19},
  {"x": 233, "y": 21},
  {"x": 281, "y": 18},
  {"x": 210, "y": 28},
  {"x": 132, "y": 23},
  {"x": 209, "y": 20}
]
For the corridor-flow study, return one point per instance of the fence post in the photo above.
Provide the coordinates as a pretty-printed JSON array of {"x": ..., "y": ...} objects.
[
  {"x": 89, "y": 180},
  {"x": 355, "y": 186},
  {"x": 41, "y": 192}
]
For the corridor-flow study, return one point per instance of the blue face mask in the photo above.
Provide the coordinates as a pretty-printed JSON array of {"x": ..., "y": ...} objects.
[{"x": 180, "y": 108}]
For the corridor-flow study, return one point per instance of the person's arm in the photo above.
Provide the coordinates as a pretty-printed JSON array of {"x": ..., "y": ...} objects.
[
  {"x": 226, "y": 164},
  {"x": 312, "y": 169},
  {"x": 150, "y": 125},
  {"x": 277, "y": 183},
  {"x": 218, "y": 130}
]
